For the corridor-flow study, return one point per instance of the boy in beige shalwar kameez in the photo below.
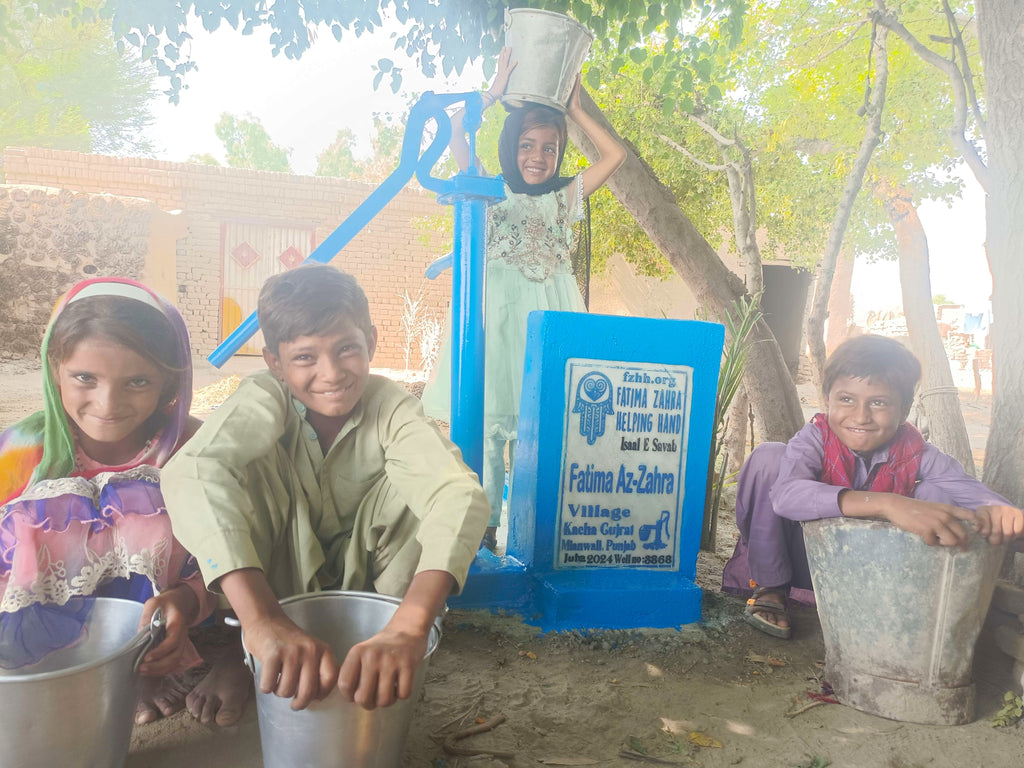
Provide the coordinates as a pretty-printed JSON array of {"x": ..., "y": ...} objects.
[{"x": 316, "y": 474}]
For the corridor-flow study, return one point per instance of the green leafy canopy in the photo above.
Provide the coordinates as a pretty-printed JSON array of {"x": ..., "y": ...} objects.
[
  {"x": 157, "y": 29},
  {"x": 63, "y": 83},
  {"x": 247, "y": 144}
]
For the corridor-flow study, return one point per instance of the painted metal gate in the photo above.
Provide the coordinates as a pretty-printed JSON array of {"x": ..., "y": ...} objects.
[{"x": 250, "y": 252}]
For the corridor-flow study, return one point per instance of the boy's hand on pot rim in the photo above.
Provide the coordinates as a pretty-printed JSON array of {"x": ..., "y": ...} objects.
[
  {"x": 380, "y": 671},
  {"x": 294, "y": 664},
  {"x": 1001, "y": 523},
  {"x": 937, "y": 524}
]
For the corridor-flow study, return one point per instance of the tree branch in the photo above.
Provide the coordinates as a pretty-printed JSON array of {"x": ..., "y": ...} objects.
[
  {"x": 826, "y": 271},
  {"x": 837, "y": 47},
  {"x": 656, "y": 210},
  {"x": 958, "y": 44},
  {"x": 741, "y": 193},
  {"x": 956, "y": 79},
  {"x": 690, "y": 156},
  {"x": 712, "y": 132}
]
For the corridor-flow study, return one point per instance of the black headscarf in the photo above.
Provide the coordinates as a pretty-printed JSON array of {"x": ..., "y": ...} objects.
[
  {"x": 522, "y": 119},
  {"x": 526, "y": 118}
]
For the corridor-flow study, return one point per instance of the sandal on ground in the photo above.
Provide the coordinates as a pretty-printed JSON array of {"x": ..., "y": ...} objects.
[{"x": 757, "y": 603}]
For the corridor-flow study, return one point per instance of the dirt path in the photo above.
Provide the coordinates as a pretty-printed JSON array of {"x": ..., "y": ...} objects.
[{"x": 570, "y": 698}]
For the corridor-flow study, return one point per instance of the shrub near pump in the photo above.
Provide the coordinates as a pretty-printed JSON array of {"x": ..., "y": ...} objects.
[{"x": 549, "y": 49}]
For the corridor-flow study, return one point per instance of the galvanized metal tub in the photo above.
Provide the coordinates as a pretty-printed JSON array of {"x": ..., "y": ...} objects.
[
  {"x": 75, "y": 708},
  {"x": 549, "y": 49},
  {"x": 900, "y": 619},
  {"x": 335, "y": 732}
]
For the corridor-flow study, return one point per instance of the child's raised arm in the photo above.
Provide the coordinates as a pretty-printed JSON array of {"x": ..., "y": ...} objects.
[
  {"x": 612, "y": 152},
  {"x": 458, "y": 144}
]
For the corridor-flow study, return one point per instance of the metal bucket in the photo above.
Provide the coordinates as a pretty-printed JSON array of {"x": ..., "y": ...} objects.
[
  {"x": 75, "y": 708},
  {"x": 900, "y": 618},
  {"x": 335, "y": 732},
  {"x": 550, "y": 50}
]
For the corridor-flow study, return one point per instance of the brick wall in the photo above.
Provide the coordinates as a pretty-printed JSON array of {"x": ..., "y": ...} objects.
[
  {"x": 386, "y": 257},
  {"x": 51, "y": 239}
]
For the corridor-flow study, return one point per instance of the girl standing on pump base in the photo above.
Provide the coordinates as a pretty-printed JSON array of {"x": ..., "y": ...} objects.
[{"x": 529, "y": 240}]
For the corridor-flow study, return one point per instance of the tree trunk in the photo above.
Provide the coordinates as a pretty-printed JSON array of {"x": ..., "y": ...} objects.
[
  {"x": 840, "y": 303},
  {"x": 1001, "y": 37},
  {"x": 744, "y": 219},
  {"x": 827, "y": 267},
  {"x": 767, "y": 381},
  {"x": 938, "y": 396}
]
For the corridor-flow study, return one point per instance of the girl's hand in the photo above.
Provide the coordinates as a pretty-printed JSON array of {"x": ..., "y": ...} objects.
[
  {"x": 179, "y": 606},
  {"x": 999, "y": 523},
  {"x": 575, "y": 106},
  {"x": 505, "y": 67}
]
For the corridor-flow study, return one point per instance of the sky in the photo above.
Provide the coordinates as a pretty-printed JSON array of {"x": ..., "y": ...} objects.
[
  {"x": 956, "y": 250},
  {"x": 302, "y": 104}
]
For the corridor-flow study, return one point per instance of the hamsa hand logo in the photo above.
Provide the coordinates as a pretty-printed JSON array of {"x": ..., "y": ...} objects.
[{"x": 593, "y": 404}]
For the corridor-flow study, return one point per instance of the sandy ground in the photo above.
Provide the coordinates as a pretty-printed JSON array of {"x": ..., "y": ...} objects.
[{"x": 621, "y": 698}]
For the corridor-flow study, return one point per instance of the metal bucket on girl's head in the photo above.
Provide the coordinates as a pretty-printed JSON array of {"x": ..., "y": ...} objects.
[
  {"x": 549, "y": 49},
  {"x": 335, "y": 733},
  {"x": 75, "y": 707}
]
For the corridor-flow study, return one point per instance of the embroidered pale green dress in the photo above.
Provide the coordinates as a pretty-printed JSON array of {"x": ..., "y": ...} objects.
[{"x": 529, "y": 242}]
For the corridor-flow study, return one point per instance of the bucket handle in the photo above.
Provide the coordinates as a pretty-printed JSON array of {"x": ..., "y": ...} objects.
[
  {"x": 151, "y": 636},
  {"x": 247, "y": 658}
]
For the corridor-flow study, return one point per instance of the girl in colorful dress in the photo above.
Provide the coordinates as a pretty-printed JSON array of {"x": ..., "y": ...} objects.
[
  {"x": 82, "y": 514},
  {"x": 529, "y": 241}
]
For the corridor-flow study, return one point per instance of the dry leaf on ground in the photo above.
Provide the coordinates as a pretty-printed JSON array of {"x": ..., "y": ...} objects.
[
  {"x": 703, "y": 740},
  {"x": 771, "y": 661}
]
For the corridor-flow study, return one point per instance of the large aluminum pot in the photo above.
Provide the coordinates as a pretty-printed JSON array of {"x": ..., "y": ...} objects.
[
  {"x": 335, "y": 732},
  {"x": 75, "y": 708},
  {"x": 549, "y": 49},
  {"x": 900, "y": 618}
]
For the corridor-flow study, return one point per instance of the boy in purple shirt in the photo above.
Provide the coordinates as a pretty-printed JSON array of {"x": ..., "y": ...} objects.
[{"x": 858, "y": 459}]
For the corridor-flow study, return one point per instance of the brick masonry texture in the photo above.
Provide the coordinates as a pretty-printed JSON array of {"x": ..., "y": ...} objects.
[
  {"x": 49, "y": 240},
  {"x": 94, "y": 211}
]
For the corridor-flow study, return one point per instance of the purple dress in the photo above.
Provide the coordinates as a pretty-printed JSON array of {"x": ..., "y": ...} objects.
[{"x": 778, "y": 488}]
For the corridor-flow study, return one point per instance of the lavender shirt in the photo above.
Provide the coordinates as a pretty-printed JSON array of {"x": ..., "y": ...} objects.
[{"x": 799, "y": 494}]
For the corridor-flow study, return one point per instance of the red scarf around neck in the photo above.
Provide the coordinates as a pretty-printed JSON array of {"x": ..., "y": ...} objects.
[{"x": 897, "y": 475}]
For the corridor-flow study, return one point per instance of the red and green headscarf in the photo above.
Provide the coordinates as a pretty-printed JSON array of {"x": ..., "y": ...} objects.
[{"x": 41, "y": 446}]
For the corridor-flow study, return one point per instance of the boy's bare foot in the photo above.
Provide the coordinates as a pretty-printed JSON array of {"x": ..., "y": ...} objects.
[
  {"x": 163, "y": 696},
  {"x": 222, "y": 695}
]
